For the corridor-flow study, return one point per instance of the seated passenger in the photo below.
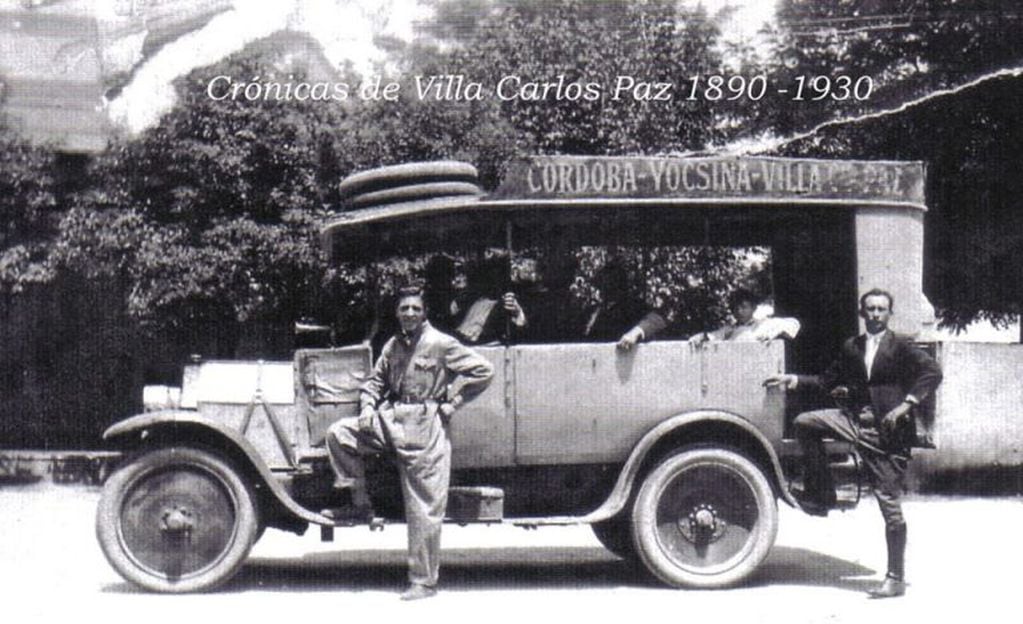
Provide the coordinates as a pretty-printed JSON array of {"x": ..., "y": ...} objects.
[
  {"x": 445, "y": 288},
  {"x": 650, "y": 325},
  {"x": 554, "y": 313},
  {"x": 616, "y": 309},
  {"x": 493, "y": 314},
  {"x": 745, "y": 328}
]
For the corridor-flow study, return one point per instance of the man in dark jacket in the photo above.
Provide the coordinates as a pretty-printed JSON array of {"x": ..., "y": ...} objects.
[
  {"x": 616, "y": 310},
  {"x": 882, "y": 378}
]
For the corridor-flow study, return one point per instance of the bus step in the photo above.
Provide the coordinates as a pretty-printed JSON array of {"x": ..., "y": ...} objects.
[
  {"x": 848, "y": 496},
  {"x": 475, "y": 504}
]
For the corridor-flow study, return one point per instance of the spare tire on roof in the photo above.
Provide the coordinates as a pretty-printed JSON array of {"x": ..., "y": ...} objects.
[
  {"x": 415, "y": 192},
  {"x": 410, "y": 182}
]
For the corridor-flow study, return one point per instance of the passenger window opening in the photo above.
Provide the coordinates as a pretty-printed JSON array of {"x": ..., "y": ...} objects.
[
  {"x": 593, "y": 293},
  {"x": 679, "y": 263},
  {"x": 465, "y": 293},
  {"x": 583, "y": 293}
]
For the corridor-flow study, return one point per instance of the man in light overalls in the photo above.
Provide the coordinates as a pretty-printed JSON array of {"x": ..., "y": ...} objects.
[{"x": 422, "y": 376}]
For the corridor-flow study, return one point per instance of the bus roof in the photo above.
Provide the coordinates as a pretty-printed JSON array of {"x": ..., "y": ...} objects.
[{"x": 600, "y": 182}]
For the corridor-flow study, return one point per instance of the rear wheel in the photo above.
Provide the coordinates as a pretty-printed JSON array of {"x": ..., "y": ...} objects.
[
  {"x": 176, "y": 520},
  {"x": 704, "y": 518}
]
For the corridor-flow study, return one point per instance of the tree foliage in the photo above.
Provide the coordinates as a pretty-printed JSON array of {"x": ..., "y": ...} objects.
[
  {"x": 28, "y": 199},
  {"x": 689, "y": 285},
  {"x": 906, "y": 48},
  {"x": 571, "y": 41},
  {"x": 919, "y": 52},
  {"x": 211, "y": 215},
  {"x": 970, "y": 142},
  {"x": 378, "y": 133}
]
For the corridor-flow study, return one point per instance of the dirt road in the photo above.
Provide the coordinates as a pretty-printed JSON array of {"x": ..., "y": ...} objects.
[{"x": 963, "y": 556}]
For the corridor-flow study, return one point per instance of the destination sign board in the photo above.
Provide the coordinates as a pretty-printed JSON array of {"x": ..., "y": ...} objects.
[{"x": 748, "y": 177}]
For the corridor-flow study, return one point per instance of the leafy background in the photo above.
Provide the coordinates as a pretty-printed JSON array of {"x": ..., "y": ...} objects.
[{"x": 198, "y": 235}]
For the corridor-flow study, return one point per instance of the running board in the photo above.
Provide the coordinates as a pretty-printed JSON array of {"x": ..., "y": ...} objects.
[
  {"x": 468, "y": 505},
  {"x": 532, "y": 523}
]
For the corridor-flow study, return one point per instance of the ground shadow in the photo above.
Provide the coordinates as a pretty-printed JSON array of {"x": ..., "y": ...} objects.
[
  {"x": 516, "y": 568},
  {"x": 468, "y": 569},
  {"x": 799, "y": 566},
  {"x": 973, "y": 481}
]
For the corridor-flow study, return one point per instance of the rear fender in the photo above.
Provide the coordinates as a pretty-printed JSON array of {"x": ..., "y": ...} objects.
[
  {"x": 186, "y": 428},
  {"x": 691, "y": 428}
]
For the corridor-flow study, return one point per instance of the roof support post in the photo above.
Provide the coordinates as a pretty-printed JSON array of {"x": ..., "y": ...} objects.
[{"x": 890, "y": 256}]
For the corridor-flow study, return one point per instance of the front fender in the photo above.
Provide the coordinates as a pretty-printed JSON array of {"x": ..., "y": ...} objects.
[
  {"x": 184, "y": 427},
  {"x": 174, "y": 419},
  {"x": 619, "y": 496}
]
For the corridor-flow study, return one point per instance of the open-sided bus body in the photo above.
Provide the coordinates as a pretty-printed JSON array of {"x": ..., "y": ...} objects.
[{"x": 674, "y": 452}]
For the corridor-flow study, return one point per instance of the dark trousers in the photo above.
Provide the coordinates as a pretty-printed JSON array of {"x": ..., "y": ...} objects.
[{"x": 887, "y": 472}]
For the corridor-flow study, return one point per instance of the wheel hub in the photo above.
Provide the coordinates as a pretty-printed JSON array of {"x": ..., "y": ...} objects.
[
  {"x": 177, "y": 521},
  {"x": 702, "y": 524}
]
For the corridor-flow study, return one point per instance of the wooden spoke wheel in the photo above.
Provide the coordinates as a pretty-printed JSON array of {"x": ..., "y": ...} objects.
[
  {"x": 704, "y": 518},
  {"x": 176, "y": 520}
]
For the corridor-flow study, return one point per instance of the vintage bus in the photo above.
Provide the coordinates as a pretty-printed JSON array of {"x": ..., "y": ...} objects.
[{"x": 675, "y": 453}]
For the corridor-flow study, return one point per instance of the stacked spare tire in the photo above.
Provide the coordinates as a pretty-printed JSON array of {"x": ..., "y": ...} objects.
[{"x": 410, "y": 182}]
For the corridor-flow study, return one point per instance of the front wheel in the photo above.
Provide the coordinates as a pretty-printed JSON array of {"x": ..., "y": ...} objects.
[
  {"x": 176, "y": 520},
  {"x": 704, "y": 518}
]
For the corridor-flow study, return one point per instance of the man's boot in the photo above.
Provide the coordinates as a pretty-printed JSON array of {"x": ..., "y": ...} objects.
[
  {"x": 417, "y": 591},
  {"x": 360, "y": 509},
  {"x": 894, "y": 583},
  {"x": 889, "y": 588},
  {"x": 818, "y": 493}
]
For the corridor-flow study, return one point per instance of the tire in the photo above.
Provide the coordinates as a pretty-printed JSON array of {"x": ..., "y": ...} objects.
[
  {"x": 704, "y": 518},
  {"x": 416, "y": 192},
  {"x": 176, "y": 520},
  {"x": 615, "y": 534},
  {"x": 410, "y": 173}
]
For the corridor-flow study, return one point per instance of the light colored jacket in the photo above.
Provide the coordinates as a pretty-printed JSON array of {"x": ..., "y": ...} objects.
[{"x": 428, "y": 365}]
